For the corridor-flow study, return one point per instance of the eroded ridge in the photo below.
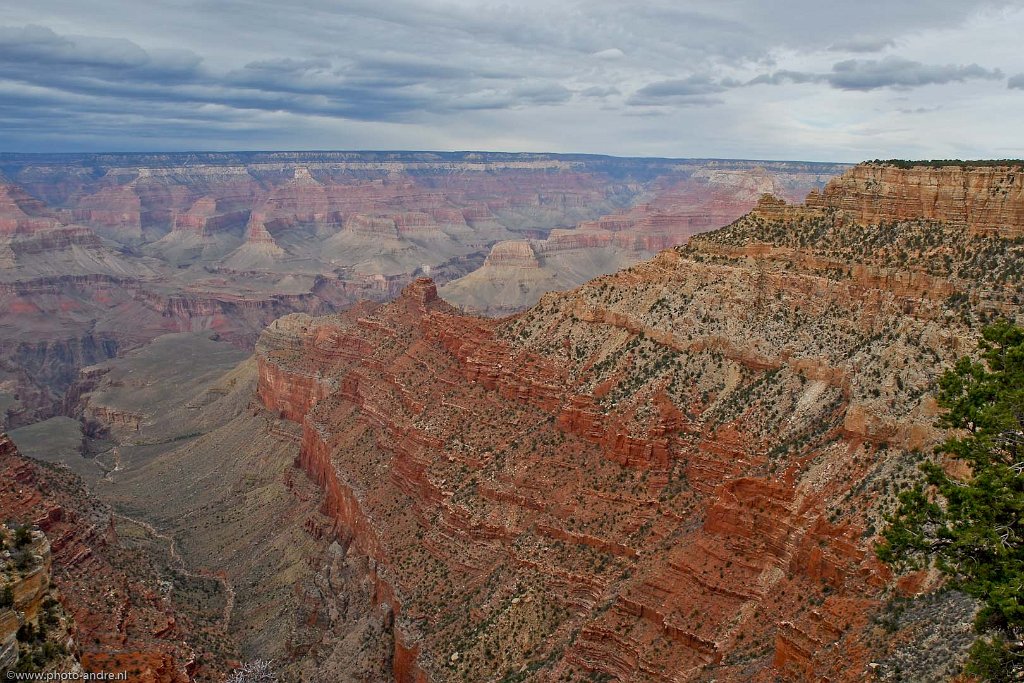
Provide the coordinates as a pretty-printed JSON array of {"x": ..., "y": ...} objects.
[{"x": 671, "y": 473}]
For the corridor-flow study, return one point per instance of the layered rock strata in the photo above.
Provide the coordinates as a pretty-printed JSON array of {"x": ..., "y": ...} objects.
[
  {"x": 28, "y": 585},
  {"x": 705, "y": 198},
  {"x": 122, "y": 619},
  {"x": 118, "y": 249},
  {"x": 980, "y": 199},
  {"x": 675, "y": 472}
]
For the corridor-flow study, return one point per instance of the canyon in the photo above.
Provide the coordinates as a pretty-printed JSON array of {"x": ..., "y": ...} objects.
[
  {"x": 100, "y": 254},
  {"x": 517, "y": 273},
  {"x": 673, "y": 472}
]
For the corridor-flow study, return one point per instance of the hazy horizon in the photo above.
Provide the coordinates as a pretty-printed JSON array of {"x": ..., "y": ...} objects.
[{"x": 186, "y": 152}]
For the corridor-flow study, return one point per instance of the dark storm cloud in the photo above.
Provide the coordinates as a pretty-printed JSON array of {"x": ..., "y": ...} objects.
[
  {"x": 124, "y": 77},
  {"x": 862, "y": 45},
  {"x": 693, "y": 91},
  {"x": 895, "y": 72},
  {"x": 1016, "y": 82},
  {"x": 891, "y": 72},
  {"x": 37, "y": 48}
]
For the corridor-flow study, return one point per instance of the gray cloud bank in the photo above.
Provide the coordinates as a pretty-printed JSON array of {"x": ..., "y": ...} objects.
[
  {"x": 250, "y": 74},
  {"x": 891, "y": 72}
]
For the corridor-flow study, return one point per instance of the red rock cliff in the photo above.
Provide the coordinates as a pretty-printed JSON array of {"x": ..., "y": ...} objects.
[
  {"x": 979, "y": 199},
  {"x": 673, "y": 473},
  {"x": 121, "y": 622}
]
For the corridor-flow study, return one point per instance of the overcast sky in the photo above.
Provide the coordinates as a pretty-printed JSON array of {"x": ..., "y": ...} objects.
[{"x": 788, "y": 79}]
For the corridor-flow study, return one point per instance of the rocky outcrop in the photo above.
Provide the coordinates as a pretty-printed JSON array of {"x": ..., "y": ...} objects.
[
  {"x": 292, "y": 394},
  {"x": 979, "y": 199},
  {"x": 517, "y": 254},
  {"x": 114, "y": 212},
  {"x": 259, "y": 251},
  {"x": 256, "y": 233},
  {"x": 117, "y": 620},
  {"x": 512, "y": 279},
  {"x": 671, "y": 473},
  {"x": 47, "y": 368},
  {"x": 196, "y": 218},
  {"x": 54, "y": 240},
  {"x": 372, "y": 226},
  {"x": 417, "y": 225},
  {"x": 22, "y": 213},
  {"x": 28, "y": 583}
]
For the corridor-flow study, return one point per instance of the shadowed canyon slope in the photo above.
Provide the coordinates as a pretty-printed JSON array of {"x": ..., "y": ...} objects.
[
  {"x": 672, "y": 473},
  {"x": 675, "y": 472},
  {"x": 204, "y": 517},
  {"x": 102, "y": 253}
]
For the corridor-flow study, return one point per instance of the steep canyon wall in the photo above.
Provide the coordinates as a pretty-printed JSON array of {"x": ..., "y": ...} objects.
[{"x": 675, "y": 472}]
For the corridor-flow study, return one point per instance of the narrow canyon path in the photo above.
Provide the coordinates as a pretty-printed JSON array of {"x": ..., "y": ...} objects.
[{"x": 179, "y": 565}]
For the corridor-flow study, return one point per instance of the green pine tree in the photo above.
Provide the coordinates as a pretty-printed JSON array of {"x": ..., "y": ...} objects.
[{"x": 971, "y": 529}]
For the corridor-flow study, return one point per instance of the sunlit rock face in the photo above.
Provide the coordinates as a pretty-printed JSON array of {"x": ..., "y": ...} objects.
[
  {"x": 675, "y": 472},
  {"x": 981, "y": 199}
]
